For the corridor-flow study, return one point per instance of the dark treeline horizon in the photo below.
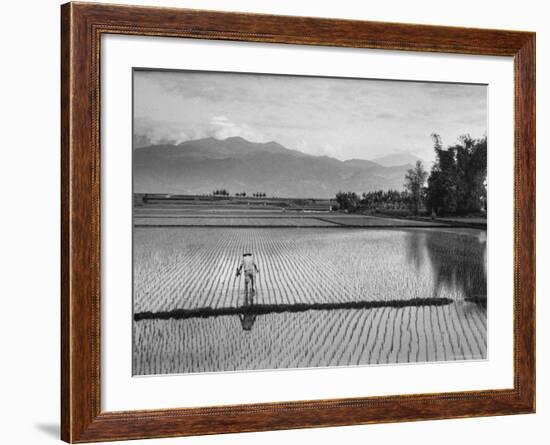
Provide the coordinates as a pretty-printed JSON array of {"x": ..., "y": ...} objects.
[{"x": 456, "y": 183}]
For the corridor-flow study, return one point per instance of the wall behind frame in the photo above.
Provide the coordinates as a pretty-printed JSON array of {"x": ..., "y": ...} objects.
[{"x": 29, "y": 234}]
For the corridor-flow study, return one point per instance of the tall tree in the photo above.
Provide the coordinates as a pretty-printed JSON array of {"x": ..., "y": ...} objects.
[
  {"x": 457, "y": 181},
  {"x": 414, "y": 183}
]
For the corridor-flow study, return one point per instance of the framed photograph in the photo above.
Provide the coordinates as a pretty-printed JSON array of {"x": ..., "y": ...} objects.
[{"x": 274, "y": 222}]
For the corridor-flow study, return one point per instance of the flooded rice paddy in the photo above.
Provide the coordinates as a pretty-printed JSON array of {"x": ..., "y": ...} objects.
[{"x": 311, "y": 306}]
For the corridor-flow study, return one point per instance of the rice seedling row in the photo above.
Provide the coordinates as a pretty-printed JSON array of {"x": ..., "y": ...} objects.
[
  {"x": 195, "y": 268},
  {"x": 334, "y": 338}
]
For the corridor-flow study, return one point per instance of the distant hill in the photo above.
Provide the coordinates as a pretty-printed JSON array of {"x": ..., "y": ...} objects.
[
  {"x": 235, "y": 164},
  {"x": 396, "y": 159},
  {"x": 361, "y": 163}
]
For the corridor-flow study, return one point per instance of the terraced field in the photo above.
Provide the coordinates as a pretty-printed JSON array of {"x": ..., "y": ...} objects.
[{"x": 193, "y": 268}]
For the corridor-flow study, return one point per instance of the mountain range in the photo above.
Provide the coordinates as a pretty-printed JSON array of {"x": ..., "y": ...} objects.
[{"x": 235, "y": 164}]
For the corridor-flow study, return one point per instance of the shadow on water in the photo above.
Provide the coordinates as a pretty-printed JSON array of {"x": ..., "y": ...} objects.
[
  {"x": 457, "y": 261},
  {"x": 248, "y": 312}
]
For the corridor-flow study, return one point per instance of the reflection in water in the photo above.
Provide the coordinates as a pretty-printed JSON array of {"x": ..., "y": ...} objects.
[
  {"x": 248, "y": 318},
  {"x": 457, "y": 261},
  {"x": 307, "y": 339},
  {"x": 401, "y": 296},
  {"x": 416, "y": 242}
]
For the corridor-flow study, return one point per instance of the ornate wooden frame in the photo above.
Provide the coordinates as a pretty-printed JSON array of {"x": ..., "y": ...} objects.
[{"x": 82, "y": 25}]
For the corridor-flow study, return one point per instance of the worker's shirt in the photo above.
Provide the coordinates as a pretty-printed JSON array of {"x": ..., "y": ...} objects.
[{"x": 248, "y": 264}]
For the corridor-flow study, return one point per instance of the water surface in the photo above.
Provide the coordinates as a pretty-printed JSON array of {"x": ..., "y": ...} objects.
[{"x": 193, "y": 268}]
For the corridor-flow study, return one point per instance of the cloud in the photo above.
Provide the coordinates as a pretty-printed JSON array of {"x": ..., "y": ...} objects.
[
  {"x": 386, "y": 116},
  {"x": 453, "y": 91},
  {"x": 221, "y": 127},
  {"x": 149, "y": 132},
  {"x": 344, "y": 118},
  {"x": 203, "y": 86}
]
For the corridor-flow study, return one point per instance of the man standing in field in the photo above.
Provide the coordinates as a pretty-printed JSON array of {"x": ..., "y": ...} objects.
[{"x": 250, "y": 269}]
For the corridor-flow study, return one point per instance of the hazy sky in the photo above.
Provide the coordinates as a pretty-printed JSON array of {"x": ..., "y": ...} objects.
[{"x": 342, "y": 118}]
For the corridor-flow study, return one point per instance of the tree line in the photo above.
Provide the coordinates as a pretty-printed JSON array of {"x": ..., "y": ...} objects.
[
  {"x": 456, "y": 183},
  {"x": 224, "y": 192},
  {"x": 221, "y": 192},
  {"x": 386, "y": 199}
]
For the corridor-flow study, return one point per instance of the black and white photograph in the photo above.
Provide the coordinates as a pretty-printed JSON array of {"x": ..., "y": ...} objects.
[
  {"x": 284, "y": 222},
  {"x": 240, "y": 222}
]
